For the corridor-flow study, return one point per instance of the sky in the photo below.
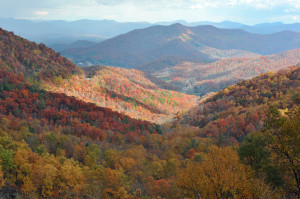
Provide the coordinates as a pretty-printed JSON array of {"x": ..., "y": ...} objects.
[{"x": 243, "y": 11}]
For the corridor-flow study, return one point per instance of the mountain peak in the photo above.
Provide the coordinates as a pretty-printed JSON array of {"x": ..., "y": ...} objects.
[{"x": 177, "y": 26}]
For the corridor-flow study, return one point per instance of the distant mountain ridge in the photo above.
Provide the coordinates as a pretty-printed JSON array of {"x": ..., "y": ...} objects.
[
  {"x": 142, "y": 46},
  {"x": 66, "y": 32},
  {"x": 77, "y": 44},
  {"x": 268, "y": 28}
]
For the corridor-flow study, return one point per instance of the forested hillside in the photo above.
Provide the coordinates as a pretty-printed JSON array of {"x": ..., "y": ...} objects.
[
  {"x": 238, "y": 110},
  {"x": 128, "y": 91},
  {"x": 23, "y": 100},
  {"x": 35, "y": 62}
]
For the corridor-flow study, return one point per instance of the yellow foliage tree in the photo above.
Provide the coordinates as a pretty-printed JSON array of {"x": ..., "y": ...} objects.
[{"x": 219, "y": 175}]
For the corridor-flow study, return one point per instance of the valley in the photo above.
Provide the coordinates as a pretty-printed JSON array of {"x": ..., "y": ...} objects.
[
  {"x": 200, "y": 79},
  {"x": 156, "y": 111}
]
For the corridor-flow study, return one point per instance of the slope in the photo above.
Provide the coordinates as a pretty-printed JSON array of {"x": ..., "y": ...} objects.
[
  {"x": 240, "y": 109},
  {"x": 24, "y": 100},
  {"x": 128, "y": 91},
  {"x": 35, "y": 62},
  {"x": 22, "y": 61},
  {"x": 134, "y": 48}
]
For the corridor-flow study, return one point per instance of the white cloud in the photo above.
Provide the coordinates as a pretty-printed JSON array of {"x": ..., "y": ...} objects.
[
  {"x": 232, "y": 2},
  {"x": 295, "y": 17},
  {"x": 41, "y": 13},
  {"x": 290, "y": 10},
  {"x": 196, "y": 6}
]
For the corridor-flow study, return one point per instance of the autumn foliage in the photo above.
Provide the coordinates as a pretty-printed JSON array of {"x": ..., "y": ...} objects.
[
  {"x": 23, "y": 100},
  {"x": 128, "y": 91},
  {"x": 36, "y": 61},
  {"x": 199, "y": 79},
  {"x": 242, "y": 142},
  {"x": 240, "y": 109}
]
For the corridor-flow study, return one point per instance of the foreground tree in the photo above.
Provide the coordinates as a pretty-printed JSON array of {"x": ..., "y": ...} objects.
[
  {"x": 282, "y": 129},
  {"x": 220, "y": 175},
  {"x": 273, "y": 153}
]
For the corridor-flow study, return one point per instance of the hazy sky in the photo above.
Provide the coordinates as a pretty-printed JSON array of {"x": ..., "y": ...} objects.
[{"x": 245, "y": 11}]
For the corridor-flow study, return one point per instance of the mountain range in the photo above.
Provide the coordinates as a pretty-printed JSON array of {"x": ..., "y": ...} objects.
[
  {"x": 198, "y": 44},
  {"x": 66, "y": 32},
  {"x": 59, "y": 32}
]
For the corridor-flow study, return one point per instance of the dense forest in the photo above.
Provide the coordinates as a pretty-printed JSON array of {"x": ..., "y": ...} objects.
[
  {"x": 46, "y": 154},
  {"x": 242, "y": 142}
]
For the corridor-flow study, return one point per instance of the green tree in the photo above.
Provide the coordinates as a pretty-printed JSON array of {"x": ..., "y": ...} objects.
[
  {"x": 7, "y": 159},
  {"x": 283, "y": 130},
  {"x": 253, "y": 151}
]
